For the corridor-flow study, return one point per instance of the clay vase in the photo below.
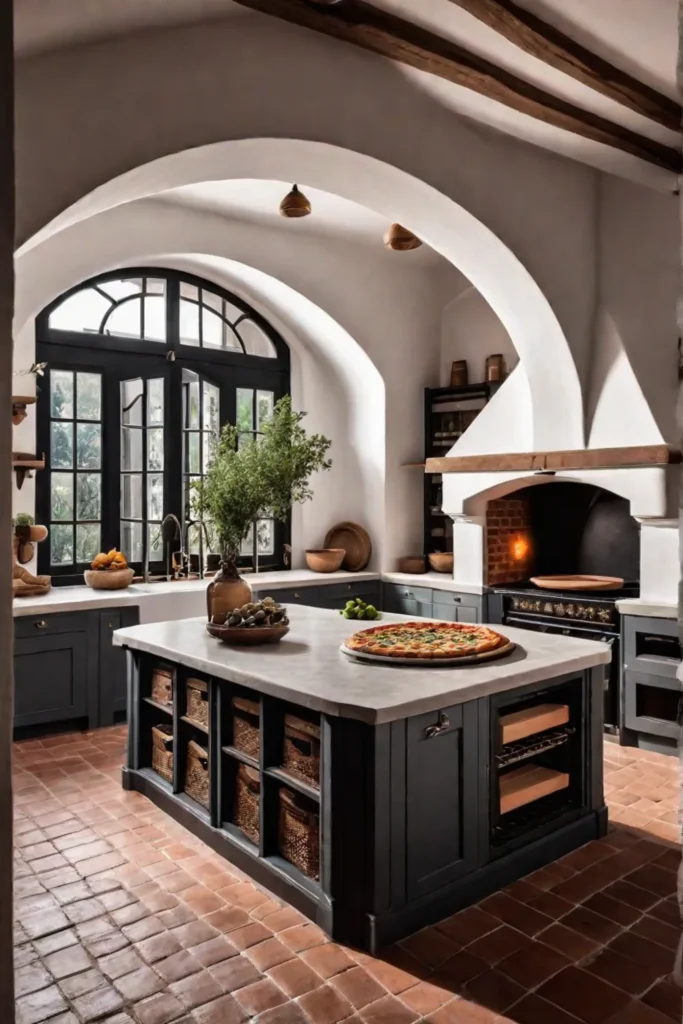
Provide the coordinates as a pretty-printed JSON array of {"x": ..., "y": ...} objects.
[{"x": 226, "y": 591}]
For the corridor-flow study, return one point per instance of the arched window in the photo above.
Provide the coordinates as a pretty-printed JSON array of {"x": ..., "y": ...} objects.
[{"x": 143, "y": 368}]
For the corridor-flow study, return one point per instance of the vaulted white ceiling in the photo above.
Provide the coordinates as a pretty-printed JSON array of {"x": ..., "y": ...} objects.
[{"x": 639, "y": 36}]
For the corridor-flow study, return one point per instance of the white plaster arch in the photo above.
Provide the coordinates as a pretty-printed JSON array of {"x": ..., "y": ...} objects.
[{"x": 556, "y": 419}]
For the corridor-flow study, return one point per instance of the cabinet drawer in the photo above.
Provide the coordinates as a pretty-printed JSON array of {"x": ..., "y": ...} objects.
[
  {"x": 47, "y": 625},
  {"x": 651, "y": 646},
  {"x": 421, "y": 594},
  {"x": 652, "y": 704}
]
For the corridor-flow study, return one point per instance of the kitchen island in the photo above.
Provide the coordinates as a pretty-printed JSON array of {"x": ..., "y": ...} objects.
[{"x": 375, "y": 798}]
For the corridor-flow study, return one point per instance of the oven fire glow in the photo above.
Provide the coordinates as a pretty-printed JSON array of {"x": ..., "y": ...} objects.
[{"x": 520, "y": 548}]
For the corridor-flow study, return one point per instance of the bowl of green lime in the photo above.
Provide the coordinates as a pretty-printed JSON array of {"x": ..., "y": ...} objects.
[{"x": 359, "y": 609}]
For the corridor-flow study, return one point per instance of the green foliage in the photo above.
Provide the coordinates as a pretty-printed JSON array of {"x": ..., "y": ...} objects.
[
  {"x": 257, "y": 478},
  {"x": 23, "y": 519}
]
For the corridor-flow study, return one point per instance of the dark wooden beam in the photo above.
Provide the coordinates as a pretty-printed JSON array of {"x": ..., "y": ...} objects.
[
  {"x": 640, "y": 457},
  {"x": 363, "y": 25},
  {"x": 560, "y": 51}
]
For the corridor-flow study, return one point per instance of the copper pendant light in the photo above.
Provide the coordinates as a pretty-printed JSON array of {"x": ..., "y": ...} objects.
[
  {"x": 400, "y": 239},
  {"x": 295, "y": 204}
]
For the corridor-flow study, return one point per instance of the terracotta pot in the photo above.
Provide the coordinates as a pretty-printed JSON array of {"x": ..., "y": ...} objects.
[
  {"x": 325, "y": 559},
  {"x": 226, "y": 591},
  {"x": 412, "y": 564},
  {"x": 109, "y": 579}
]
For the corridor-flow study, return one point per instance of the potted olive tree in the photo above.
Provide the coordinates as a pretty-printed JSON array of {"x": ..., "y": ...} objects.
[{"x": 249, "y": 479}]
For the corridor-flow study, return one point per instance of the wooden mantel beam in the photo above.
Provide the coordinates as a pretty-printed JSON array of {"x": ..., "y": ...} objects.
[
  {"x": 640, "y": 457},
  {"x": 543, "y": 41},
  {"x": 359, "y": 23}
]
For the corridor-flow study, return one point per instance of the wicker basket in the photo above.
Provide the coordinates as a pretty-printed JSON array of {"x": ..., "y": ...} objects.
[
  {"x": 197, "y": 701},
  {"x": 301, "y": 752},
  {"x": 162, "y": 751},
  {"x": 299, "y": 833},
  {"x": 162, "y": 685},
  {"x": 247, "y": 800},
  {"x": 197, "y": 774},
  {"x": 245, "y": 727}
]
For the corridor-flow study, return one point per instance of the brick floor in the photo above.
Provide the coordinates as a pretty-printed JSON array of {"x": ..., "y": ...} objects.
[{"x": 123, "y": 917}]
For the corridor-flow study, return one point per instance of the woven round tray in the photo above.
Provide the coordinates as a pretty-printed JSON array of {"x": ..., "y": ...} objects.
[
  {"x": 465, "y": 659},
  {"x": 247, "y": 636}
]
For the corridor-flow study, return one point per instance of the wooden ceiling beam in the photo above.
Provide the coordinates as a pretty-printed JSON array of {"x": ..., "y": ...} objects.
[
  {"x": 541, "y": 40},
  {"x": 363, "y": 25},
  {"x": 638, "y": 457}
]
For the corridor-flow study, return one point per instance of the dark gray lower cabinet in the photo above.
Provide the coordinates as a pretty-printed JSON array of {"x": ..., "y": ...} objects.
[
  {"x": 440, "y": 848},
  {"x": 66, "y": 668},
  {"x": 326, "y": 595},
  {"x": 407, "y": 600},
  {"x": 651, "y": 692},
  {"x": 50, "y": 678},
  {"x": 459, "y": 607},
  {"x": 427, "y": 603}
]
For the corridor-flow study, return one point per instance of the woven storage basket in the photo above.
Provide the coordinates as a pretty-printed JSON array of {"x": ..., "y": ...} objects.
[
  {"x": 301, "y": 750},
  {"x": 245, "y": 726},
  {"x": 162, "y": 685},
  {"x": 299, "y": 833},
  {"x": 197, "y": 701},
  {"x": 197, "y": 774},
  {"x": 247, "y": 801},
  {"x": 162, "y": 751}
]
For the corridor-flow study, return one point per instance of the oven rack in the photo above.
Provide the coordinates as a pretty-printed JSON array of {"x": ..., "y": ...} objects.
[{"x": 529, "y": 747}]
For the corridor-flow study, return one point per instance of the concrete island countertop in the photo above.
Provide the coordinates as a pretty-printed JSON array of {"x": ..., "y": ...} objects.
[
  {"x": 82, "y": 598},
  {"x": 648, "y": 607},
  {"x": 307, "y": 667}
]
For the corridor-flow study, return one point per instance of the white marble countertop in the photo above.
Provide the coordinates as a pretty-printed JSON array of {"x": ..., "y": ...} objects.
[
  {"x": 307, "y": 667},
  {"x": 435, "y": 580},
  {"x": 74, "y": 599},
  {"x": 649, "y": 608}
]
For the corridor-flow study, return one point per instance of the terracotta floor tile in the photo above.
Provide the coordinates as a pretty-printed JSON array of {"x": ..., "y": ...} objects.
[
  {"x": 654, "y": 879},
  {"x": 264, "y": 995},
  {"x": 288, "y": 1013},
  {"x": 80, "y": 984},
  {"x": 100, "y": 1003},
  {"x": 633, "y": 895},
  {"x": 533, "y": 965},
  {"x": 552, "y": 905},
  {"x": 396, "y": 974},
  {"x": 31, "y": 978},
  {"x": 58, "y": 940},
  {"x": 139, "y": 984},
  {"x": 667, "y": 911},
  {"x": 325, "y": 1005},
  {"x": 460, "y": 969},
  {"x": 104, "y": 945},
  {"x": 494, "y": 990},
  {"x": 499, "y": 944},
  {"x": 424, "y": 997},
  {"x": 235, "y": 973},
  {"x": 84, "y": 910},
  {"x": 632, "y": 976},
  {"x": 196, "y": 989},
  {"x": 614, "y": 910},
  {"x": 301, "y": 937},
  {"x": 633, "y": 947},
  {"x": 230, "y": 919},
  {"x": 269, "y": 954},
  {"x": 178, "y": 966},
  {"x": 159, "y": 1009},
  {"x": 517, "y": 915},
  {"x": 388, "y": 1010},
  {"x": 534, "y": 1010},
  {"x": 327, "y": 960},
  {"x": 638, "y": 1013},
  {"x": 295, "y": 977},
  {"x": 118, "y": 964},
  {"x": 584, "y": 995},
  {"x": 38, "y": 1006},
  {"x": 468, "y": 925},
  {"x": 430, "y": 946},
  {"x": 358, "y": 986},
  {"x": 593, "y": 926},
  {"x": 215, "y": 951},
  {"x": 71, "y": 960},
  {"x": 657, "y": 931},
  {"x": 175, "y": 916},
  {"x": 286, "y": 917},
  {"x": 144, "y": 929},
  {"x": 666, "y": 997}
]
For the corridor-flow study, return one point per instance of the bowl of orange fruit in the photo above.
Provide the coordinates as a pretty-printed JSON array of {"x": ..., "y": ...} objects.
[{"x": 109, "y": 571}]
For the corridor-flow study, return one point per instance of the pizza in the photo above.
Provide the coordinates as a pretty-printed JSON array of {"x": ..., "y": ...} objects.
[{"x": 425, "y": 639}]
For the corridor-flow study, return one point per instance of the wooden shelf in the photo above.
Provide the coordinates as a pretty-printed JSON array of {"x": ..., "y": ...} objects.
[
  {"x": 195, "y": 725},
  {"x": 520, "y": 724},
  {"x": 527, "y": 784},
  {"x": 167, "y": 709},
  {"x": 305, "y": 788},
  {"x": 239, "y": 755},
  {"x": 24, "y": 468},
  {"x": 639, "y": 457},
  {"x": 19, "y": 403}
]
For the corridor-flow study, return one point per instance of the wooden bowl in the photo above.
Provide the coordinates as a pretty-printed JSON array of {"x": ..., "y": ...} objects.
[
  {"x": 414, "y": 564},
  {"x": 356, "y": 543},
  {"x": 106, "y": 579},
  {"x": 441, "y": 561},
  {"x": 578, "y": 582},
  {"x": 325, "y": 559},
  {"x": 247, "y": 636}
]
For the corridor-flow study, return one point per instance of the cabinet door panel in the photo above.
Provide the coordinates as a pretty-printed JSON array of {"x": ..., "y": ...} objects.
[
  {"x": 112, "y": 673},
  {"x": 441, "y": 799},
  {"x": 50, "y": 679}
]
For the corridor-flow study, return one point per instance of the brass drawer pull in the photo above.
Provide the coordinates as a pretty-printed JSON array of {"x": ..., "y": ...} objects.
[
  {"x": 442, "y": 724},
  {"x": 41, "y": 624}
]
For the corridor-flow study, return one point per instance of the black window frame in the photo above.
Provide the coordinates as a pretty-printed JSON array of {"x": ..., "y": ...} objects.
[{"x": 121, "y": 358}]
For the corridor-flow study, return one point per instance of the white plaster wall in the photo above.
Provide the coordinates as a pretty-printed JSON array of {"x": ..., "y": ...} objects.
[
  {"x": 634, "y": 378},
  {"x": 388, "y": 307},
  {"x": 118, "y": 103},
  {"x": 471, "y": 330}
]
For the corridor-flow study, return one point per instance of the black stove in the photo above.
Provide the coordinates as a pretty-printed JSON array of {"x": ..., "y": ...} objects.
[{"x": 589, "y": 614}]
